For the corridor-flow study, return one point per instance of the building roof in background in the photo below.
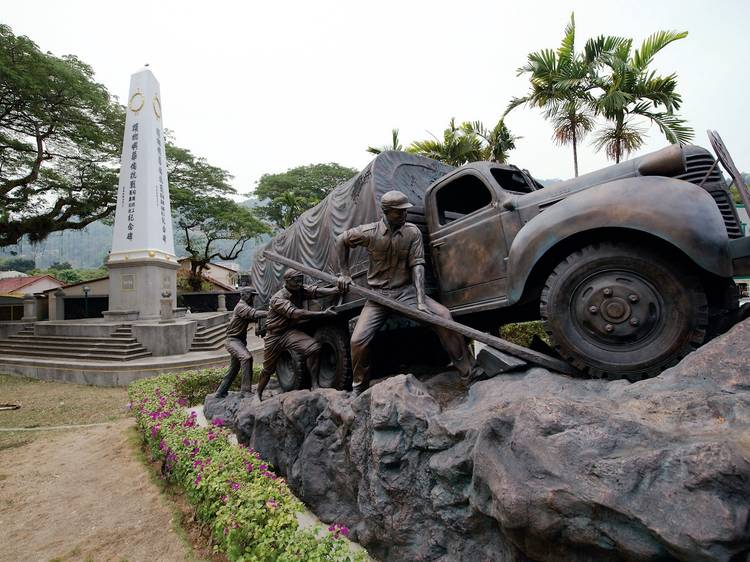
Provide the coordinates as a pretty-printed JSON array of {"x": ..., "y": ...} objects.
[
  {"x": 218, "y": 283},
  {"x": 15, "y": 284}
]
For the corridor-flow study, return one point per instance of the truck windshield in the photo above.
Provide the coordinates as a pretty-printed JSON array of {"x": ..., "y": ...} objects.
[{"x": 513, "y": 180}]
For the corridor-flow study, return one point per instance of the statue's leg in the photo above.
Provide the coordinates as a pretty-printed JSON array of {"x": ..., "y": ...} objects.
[
  {"x": 246, "y": 366},
  {"x": 308, "y": 347},
  {"x": 370, "y": 319},
  {"x": 453, "y": 342},
  {"x": 226, "y": 382},
  {"x": 271, "y": 350}
]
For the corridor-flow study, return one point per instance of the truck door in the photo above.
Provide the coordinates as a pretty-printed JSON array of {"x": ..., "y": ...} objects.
[{"x": 466, "y": 240}]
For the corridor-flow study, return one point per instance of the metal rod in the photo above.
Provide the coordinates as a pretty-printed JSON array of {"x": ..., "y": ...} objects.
[{"x": 498, "y": 343}]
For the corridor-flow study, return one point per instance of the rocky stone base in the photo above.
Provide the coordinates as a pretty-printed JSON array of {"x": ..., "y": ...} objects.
[{"x": 532, "y": 465}]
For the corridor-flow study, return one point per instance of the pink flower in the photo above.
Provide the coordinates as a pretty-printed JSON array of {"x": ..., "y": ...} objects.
[
  {"x": 235, "y": 486},
  {"x": 218, "y": 422},
  {"x": 198, "y": 479},
  {"x": 224, "y": 499},
  {"x": 211, "y": 436},
  {"x": 182, "y": 401},
  {"x": 272, "y": 504}
]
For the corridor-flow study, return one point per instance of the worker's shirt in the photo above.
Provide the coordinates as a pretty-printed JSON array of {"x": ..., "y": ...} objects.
[
  {"x": 242, "y": 315},
  {"x": 392, "y": 253},
  {"x": 283, "y": 304}
]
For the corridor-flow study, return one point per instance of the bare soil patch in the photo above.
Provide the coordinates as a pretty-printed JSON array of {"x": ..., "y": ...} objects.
[{"x": 84, "y": 493}]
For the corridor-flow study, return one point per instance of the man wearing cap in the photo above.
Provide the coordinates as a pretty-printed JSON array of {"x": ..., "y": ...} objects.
[
  {"x": 284, "y": 314},
  {"x": 236, "y": 344},
  {"x": 396, "y": 269}
]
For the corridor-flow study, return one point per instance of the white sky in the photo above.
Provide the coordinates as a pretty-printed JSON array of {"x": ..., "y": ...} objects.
[{"x": 260, "y": 87}]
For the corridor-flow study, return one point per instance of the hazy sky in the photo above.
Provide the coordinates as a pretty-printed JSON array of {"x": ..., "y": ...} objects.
[{"x": 261, "y": 87}]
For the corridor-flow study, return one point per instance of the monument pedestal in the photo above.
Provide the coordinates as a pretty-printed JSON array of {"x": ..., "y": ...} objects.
[{"x": 136, "y": 285}]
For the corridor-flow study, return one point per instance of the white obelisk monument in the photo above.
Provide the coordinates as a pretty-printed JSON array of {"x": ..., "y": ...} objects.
[{"x": 142, "y": 263}]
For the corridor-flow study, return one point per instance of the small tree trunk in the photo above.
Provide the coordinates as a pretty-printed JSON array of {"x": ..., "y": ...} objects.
[{"x": 575, "y": 153}]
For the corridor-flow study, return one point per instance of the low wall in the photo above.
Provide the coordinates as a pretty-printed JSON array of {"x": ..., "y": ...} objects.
[
  {"x": 95, "y": 329},
  {"x": 206, "y": 302},
  {"x": 172, "y": 338}
]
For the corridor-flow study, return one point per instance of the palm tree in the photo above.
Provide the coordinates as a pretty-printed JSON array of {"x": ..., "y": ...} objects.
[
  {"x": 559, "y": 86},
  {"x": 497, "y": 142},
  {"x": 395, "y": 144},
  {"x": 456, "y": 148},
  {"x": 629, "y": 91}
]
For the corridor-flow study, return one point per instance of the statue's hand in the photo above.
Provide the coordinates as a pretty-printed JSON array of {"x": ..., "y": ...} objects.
[
  {"x": 422, "y": 307},
  {"x": 343, "y": 282},
  {"x": 328, "y": 313}
]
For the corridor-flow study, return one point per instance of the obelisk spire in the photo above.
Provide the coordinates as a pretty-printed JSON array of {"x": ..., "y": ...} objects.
[
  {"x": 142, "y": 264},
  {"x": 143, "y": 221}
]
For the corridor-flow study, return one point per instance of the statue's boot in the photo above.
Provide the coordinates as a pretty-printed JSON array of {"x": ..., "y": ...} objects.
[
  {"x": 223, "y": 389},
  {"x": 246, "y": 385},
  {"x": 265, "y": 376}
]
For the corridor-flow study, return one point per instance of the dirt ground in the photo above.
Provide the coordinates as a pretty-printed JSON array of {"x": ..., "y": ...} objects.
[{"x": 80, "y": 493}]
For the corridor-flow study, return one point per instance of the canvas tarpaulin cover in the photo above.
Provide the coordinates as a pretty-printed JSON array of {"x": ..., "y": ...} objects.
[{"x": 311, "y": 239}]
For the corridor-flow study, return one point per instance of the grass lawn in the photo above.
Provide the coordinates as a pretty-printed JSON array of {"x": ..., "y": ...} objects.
[{"x": 46, "y": 404}]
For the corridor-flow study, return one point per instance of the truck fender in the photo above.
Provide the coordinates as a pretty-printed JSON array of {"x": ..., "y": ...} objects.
[{"x": 678, "y": 212}]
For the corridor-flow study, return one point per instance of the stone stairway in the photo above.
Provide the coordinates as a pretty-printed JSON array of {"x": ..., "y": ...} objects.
[
  {"x": 209, "y": 338},
  {"x": 120, "y": 346}
]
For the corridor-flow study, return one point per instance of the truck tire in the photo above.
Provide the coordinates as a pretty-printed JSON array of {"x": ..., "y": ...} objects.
[
  {"x": 335, "y": 357},
  {"x": 617, "y": 310},
  {"x": 291, "y": 371}
]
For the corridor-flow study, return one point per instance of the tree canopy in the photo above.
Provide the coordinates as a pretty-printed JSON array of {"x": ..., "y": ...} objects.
[
  {"x": 285, "y": 196},
  {"x": 60, "y": 135}
]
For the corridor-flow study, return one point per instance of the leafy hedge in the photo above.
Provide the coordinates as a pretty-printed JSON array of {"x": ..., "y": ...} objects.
[
  {"x": 522, "y": 333},
  {"x": 250, "y": 509}
]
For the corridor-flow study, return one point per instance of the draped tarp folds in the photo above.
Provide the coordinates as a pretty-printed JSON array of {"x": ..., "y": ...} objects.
[{"x": 311, "y": 239}]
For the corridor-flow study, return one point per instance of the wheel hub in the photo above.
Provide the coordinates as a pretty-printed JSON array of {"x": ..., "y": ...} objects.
[{"x": 617, "y": 307}]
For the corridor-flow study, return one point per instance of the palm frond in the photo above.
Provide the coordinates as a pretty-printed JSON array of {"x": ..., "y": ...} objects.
[
  {"x": 566, "y": 51},
  {"x": 653, "y": 44}
]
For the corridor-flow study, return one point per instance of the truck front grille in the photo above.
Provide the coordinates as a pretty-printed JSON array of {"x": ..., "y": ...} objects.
[{"x": 699, "y": 171}]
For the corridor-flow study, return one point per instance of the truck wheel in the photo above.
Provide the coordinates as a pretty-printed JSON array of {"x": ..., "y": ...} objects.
[
  {"x": 335, "y": 357},
  {"x": 621, "y": 311},
  {"x": 291, "y": 371}
]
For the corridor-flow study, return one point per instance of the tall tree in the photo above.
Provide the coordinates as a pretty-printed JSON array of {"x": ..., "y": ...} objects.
[
  {"x": 60, "y": 135},
  {"x": 395, "y": 144},
  {"x": 209, "y": 223},
  {"x": 285, "y": 196},
  {"x": 625, "y": 91},
  {"x": 205, "y": 221},
  {"x": 560, "y": 87}
]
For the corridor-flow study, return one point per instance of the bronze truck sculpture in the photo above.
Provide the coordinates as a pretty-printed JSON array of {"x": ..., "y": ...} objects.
[{"x": 629, "y": 267}]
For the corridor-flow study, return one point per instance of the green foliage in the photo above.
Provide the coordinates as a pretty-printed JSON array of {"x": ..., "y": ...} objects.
[
  {"x": 68, "y": 275},
  {"x": 522, "y": 333},
  {"x": 17, "y": 264},
  {"x": 250, "y": 511},
  {"x": 395, "y": 144},
  {"x": 605, "y": 80},
  {"x": 469, "y": 142},
  {"x": 60, "y": 135},
  {"x": 291, "y": 193}
]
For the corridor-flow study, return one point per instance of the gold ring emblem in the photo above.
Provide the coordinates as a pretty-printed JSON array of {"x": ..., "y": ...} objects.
[
  {"x": 157, "y": 107},
  {"x": 136, "y": 102}
]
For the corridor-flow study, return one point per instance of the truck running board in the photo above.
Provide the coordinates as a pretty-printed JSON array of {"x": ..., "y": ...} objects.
[{"x": 533, "y": 357}]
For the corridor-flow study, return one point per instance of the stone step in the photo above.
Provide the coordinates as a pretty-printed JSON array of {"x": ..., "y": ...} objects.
[
  {"x": 206, "y": 346},
  {"x": 55, "y": 342},
  {"x": 220, "y": 329},
  {"x": 72, "y": 348},
  {"x": 43, "y": 340},
  {"x": 73, "y": 354}
]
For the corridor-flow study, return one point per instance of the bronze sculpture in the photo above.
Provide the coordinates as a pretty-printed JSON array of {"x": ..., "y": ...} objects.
[
  {"x": 236, "y": 344},
  {"x": 284, "y": 315},
  {"x": 396, "y": 268}
]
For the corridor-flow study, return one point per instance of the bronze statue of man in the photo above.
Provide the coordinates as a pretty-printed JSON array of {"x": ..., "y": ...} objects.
[
  {"x": 236, "y": 344},
  {"x": 284, "y": 314},
  {"x": 396, "y": 269}
]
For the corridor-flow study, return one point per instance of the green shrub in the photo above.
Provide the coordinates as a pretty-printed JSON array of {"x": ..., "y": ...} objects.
[
  {"x": 522, "y": 333},
  {"x": 194, "y": 385},
  {"x": 250, "y": 510}
]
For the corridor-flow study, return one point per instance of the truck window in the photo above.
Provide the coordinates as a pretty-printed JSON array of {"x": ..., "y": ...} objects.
[
  {"x": 460, "y": 197},
  {"x": 511, "y": 180}
]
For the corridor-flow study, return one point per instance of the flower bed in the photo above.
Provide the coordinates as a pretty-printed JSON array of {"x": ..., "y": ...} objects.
[{"x": 250, "y": 510}]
